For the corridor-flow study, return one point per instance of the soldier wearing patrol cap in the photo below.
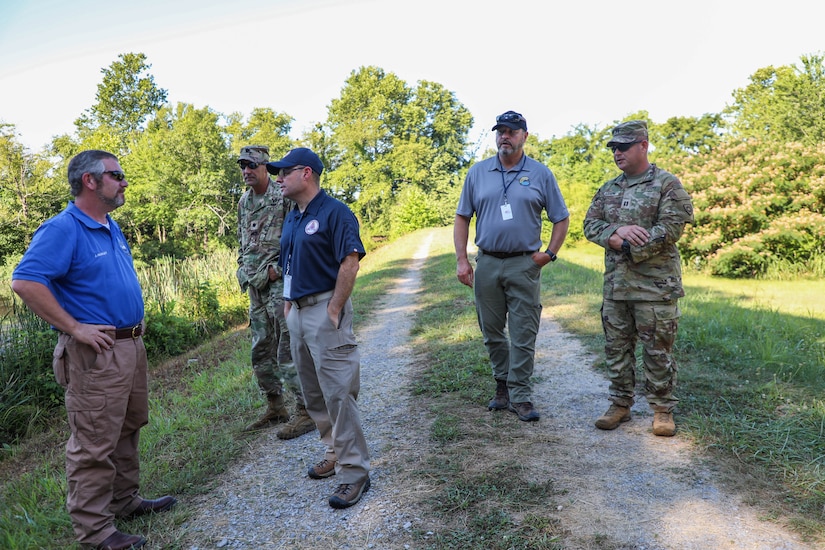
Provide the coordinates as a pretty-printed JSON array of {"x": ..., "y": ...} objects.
[
  {"x": 637, "y": 218},
  {"x": 261, "y": 212}
]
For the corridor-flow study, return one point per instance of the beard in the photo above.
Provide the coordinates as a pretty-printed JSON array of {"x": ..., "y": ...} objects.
[{"x": 114, "y": 202}]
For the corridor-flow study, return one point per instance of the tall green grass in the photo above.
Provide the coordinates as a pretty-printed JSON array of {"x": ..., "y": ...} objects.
[{"x": 186, "y": 302}]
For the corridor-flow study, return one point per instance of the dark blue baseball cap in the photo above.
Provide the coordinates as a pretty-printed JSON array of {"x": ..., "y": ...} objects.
[{"x": 300, "y": 156}]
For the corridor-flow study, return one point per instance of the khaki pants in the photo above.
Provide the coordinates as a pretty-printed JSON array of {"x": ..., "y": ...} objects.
[
  {"x": 107, "y": 403},
  {"x": 329, "y": 367}
]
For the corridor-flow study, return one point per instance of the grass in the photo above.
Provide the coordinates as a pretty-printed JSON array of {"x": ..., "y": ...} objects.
[{"x": 751, "y": 387}]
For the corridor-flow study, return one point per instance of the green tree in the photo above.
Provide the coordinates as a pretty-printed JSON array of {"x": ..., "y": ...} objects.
[
  {"x": 783, "y": 104},
  {"x": 263, "y": 127},
  {"x": 686, "y": 135},
  {"x": 27, "y": 194},
  {"x": 382, "y": 136},
  {"x": 126, "y": 98},
  {"x": 181, "y": 173}
]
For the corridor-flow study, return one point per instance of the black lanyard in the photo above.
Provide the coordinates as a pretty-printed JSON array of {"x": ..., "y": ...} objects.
[{"x": 504, "y": 183}]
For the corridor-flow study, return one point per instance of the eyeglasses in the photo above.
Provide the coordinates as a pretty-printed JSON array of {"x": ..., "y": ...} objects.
[
  {"x": 251, "y": 165},
  {"x": 116, "y": 174},
  {"x": 284, "y": 172},
  {"x": 511, "y": 117},
  {"x": 623, "y": 146}
]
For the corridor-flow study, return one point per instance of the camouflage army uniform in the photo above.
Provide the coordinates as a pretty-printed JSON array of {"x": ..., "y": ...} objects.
[
  {"x": 260, "y": 220},
  {"x": 642, "y": 284}
]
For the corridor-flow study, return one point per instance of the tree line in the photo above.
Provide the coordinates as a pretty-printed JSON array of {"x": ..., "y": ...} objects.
[{"x": 397, "y": 154}]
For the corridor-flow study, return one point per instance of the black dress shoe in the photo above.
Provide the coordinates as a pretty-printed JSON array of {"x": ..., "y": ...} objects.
[
  {"x": 152, "y": 506},
  {"x": 121, "y": 541}
]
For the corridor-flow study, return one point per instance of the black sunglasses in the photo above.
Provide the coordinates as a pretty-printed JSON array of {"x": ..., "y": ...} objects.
[
  {"x": 116, "y": 174},
  {"x": 251, "y": 165},
  {"x": 623, "y": 146},
  {"x": 511, "y": 117}
]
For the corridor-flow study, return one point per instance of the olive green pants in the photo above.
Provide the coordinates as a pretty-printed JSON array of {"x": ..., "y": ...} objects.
[{"x": 508, "y": 296}]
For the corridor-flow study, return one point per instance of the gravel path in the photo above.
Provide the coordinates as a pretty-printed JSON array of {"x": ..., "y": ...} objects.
[
  {"x": 267, "y": 501},
  {"x": 626, "y": 488}
]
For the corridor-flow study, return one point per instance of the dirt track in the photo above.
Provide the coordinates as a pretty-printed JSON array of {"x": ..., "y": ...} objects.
[{"x": 624, "y": 489}]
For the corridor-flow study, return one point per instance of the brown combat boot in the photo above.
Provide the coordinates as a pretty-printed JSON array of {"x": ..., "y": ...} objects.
[
  {"x": 298, "y": 425},
  {"x": 614, "y": 416},
  {"x": 501, "y": 400},
  {"x": 275, "y": 414},
  {"x": 663, "y": 424}
]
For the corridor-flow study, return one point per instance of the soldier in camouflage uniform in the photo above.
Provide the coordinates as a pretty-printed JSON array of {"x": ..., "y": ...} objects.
[
  {"x": 260, "y": 219},
  {"x": 637, "y": 218}
]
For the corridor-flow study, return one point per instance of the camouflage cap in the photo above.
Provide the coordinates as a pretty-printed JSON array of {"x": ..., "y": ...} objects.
[
  {"x": 629, "y": 132},
  {"x": 255, "y": 153}
]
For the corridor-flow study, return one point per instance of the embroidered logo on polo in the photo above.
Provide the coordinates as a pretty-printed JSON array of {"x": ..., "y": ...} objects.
[
  {"x": 524, "y": 181},
  {"x": 311, "y": 227}
]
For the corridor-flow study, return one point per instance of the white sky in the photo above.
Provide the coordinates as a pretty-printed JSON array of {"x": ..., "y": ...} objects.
[{"x": 560, "y": 64}]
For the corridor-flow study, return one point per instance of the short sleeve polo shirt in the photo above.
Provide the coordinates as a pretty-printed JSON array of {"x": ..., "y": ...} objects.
[
  {"x": 88, "y": 267},
  {"x": 315, "y": 242}
]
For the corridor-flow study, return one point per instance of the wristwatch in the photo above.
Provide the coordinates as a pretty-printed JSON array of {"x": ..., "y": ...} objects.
[
  {"x": 625, "y": 246},
  {"x": 551, "y": 254}
]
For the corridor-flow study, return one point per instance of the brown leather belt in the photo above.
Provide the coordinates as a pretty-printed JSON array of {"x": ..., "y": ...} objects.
[
  {"x": 504, "y": 255},
  {"x": 133, "y": 332},
  {"x": 312, "y": 299}
]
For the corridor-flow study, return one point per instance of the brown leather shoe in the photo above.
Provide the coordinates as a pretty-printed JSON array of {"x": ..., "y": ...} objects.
[
  {"x": 121, "y": 541},
  {"x": 323, "y": 469},
  {"x": 525, "y": 411},
  {"x": 347, "y": 494},
  {"x": 501, "y": 400},
  {"x": 161, "y": 504}
]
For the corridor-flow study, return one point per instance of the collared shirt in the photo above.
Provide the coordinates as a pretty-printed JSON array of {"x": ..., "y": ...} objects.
[
  {"x": 88, "y": 268},
  {"x": 530, "y": 187},
  {"x": 315, "y": 242}
]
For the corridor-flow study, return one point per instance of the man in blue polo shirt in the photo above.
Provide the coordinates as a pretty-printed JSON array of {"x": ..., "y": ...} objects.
[
  {"x": 320, "y": 250},
  {"x": 78, "y": 275}
]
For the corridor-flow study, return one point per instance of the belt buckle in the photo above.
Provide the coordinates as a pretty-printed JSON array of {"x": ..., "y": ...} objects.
[{"x": 135, "y": 331}]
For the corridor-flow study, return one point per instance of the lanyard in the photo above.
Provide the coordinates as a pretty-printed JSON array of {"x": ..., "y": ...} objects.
[{"x": 504, "y": 183}]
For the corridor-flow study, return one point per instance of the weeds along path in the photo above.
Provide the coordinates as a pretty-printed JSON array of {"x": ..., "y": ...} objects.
[{"x": 267, "y": 501}]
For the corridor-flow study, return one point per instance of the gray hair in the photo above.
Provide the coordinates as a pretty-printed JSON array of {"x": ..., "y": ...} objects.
[{"x": 86, "y": 162}]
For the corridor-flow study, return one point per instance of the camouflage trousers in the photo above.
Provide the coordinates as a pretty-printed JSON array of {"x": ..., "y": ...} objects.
[
  {"x": 271, "y": 356},
  {"x": 654, "y": 324}
]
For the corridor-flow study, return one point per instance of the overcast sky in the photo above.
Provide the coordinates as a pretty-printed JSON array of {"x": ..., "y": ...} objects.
[{"x": 590, "y": 62}]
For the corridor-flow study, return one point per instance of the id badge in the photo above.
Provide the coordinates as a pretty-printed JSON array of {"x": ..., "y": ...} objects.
[
  {"x": 287, "y": 286},
  {"x": 506, "y": 211}
]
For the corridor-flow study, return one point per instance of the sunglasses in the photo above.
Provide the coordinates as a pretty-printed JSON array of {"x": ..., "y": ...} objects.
[
  {"x": 623, "y": 146},
  {"x": 116, "y": 174},
  {"x": 251, "y": 165},
  {"x": 511, "y": 117},
  {"x": 284, "y": 172}
]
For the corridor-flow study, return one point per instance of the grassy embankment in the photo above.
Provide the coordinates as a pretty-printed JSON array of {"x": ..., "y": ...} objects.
[{"x": 751, "y": 382}]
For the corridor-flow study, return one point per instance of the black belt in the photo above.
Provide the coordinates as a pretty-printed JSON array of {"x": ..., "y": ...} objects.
[
  {"x": 133, "y": 332},
  {"x": 312, "y": 299},
  {"x": 503, "y": 255}
]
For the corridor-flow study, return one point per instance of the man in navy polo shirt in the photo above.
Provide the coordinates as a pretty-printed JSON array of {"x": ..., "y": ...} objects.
[
  {"x": 320, "y": 251},
  {"x": 78, "y": 275}
]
